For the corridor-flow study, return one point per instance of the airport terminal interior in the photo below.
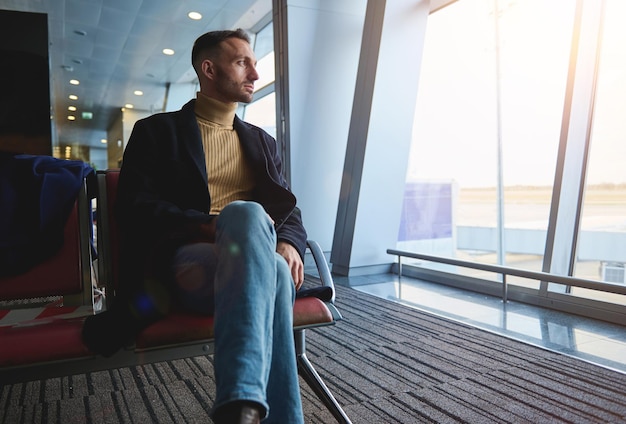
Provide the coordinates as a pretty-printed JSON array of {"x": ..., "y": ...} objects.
[{"x": 463, "y": 158}]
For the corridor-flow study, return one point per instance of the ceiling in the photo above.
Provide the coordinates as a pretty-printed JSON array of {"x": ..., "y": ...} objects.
[{"x": 115, "y": 47}]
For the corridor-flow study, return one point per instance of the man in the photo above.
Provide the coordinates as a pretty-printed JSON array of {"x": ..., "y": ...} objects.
[{"x": 209, "y": 223}]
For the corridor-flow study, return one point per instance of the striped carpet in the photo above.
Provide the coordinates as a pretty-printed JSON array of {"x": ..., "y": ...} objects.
[{"x": 385, "y": 362}]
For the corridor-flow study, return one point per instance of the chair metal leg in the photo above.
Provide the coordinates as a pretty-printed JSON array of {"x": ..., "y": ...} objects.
[{"x": 315, "y": 382}]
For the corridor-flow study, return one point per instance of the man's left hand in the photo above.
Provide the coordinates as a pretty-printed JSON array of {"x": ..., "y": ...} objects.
[{"x": 294, "y": 261}]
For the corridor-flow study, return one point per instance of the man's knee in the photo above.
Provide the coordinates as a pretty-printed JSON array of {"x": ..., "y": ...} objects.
[
  {"x": 243, "y": 209},
  {"x": 243, "y": 214}
]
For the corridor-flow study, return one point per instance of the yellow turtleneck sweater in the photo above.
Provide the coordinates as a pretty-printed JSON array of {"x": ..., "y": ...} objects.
[{"x": 230, "y": 176}]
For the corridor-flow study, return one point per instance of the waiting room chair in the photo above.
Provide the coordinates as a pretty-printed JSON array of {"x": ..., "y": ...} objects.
[{"x": 182, "y": 335}]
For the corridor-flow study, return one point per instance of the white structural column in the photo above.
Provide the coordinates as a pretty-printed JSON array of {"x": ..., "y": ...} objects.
[
  {"x": 316, "y": 46},
  {"x": 379, "y": 137},
  {"x": 567, "y": 195}
]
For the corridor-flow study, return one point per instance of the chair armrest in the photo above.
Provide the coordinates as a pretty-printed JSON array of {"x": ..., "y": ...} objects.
[{"x": 325, "y": 276}]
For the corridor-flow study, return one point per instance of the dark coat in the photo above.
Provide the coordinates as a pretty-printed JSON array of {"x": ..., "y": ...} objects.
[{"x": 163, "y": 194}]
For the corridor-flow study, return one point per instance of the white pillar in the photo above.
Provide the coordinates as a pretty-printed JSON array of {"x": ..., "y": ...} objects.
[
  {"x": 379, "y": 137},
  {"x": 317, "y": 51}
]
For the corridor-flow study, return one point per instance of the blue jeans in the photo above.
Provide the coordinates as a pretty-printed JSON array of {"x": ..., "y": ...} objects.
[{"x": 248, "y": 288}]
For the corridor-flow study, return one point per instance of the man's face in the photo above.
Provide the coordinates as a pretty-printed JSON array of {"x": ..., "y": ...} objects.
[{"x": 235, "y": 72}]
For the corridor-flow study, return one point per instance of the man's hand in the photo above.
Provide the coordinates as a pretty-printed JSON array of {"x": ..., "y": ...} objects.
[{"x": 294, "y": 261}]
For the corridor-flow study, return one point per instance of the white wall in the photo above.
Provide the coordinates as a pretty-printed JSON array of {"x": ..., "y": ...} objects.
[
  {"x": 379, "y": 138},
  {"x": 324, "y": 39}
]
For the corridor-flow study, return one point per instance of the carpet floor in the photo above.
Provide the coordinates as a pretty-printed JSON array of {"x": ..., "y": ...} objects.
[{"x": 384, "y": 362}]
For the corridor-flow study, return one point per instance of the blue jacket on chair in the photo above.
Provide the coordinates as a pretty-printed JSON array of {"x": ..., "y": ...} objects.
[{"x": 37, "y": 194}]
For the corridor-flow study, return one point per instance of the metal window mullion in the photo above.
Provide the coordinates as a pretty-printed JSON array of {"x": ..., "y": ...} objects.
[
  {"x": 281, "y": 83},
  {"x": 567, "y": 196}
]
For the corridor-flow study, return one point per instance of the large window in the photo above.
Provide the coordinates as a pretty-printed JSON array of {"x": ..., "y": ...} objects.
[
  {"x": 486, "y": 131},
  {"x": 601, "y": 252},
  {"x": 262, "y": 111}
]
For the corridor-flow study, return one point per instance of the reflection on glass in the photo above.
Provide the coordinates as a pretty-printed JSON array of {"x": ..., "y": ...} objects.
[{"x": 481, "y": 84}]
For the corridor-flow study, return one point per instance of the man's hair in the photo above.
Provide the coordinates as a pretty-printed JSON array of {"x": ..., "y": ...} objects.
[{"x": 209, "y": 43}]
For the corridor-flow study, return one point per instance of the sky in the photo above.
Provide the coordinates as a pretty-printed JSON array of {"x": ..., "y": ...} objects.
[{"x": 456, "y": 121}]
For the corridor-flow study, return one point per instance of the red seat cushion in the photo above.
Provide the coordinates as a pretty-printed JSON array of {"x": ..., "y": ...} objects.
[
  {"x": 310, "y": 311},
  {"x": 43, "y": 339},
  {"x": 58, "y": 275},
  {"x": 176, "y": 328},
  {"x": 181, "y": 327}
]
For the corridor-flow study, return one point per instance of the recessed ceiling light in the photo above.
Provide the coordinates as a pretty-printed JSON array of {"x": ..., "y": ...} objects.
[
  {"x": 168, "y": 52},
  {"x": 138, "y": 93},
  {"x": 74, "y": 82},
  {"x": 71, "y": 118},
  {"x": 73, "y": 97},
  {"x": 129, "y": 106},
  {"x": 196, "y": 16},
  {"x": 72, "y": 108},
  {"x": 103, "y": 141}
]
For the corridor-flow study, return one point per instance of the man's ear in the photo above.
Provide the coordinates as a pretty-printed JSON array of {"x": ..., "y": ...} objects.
[{"x": 208, "y": 69}]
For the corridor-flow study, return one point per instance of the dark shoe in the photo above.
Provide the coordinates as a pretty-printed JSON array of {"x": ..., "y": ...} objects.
[
  {"x": 238, "y": 413},
  {"x": 106, "y": 333}
]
